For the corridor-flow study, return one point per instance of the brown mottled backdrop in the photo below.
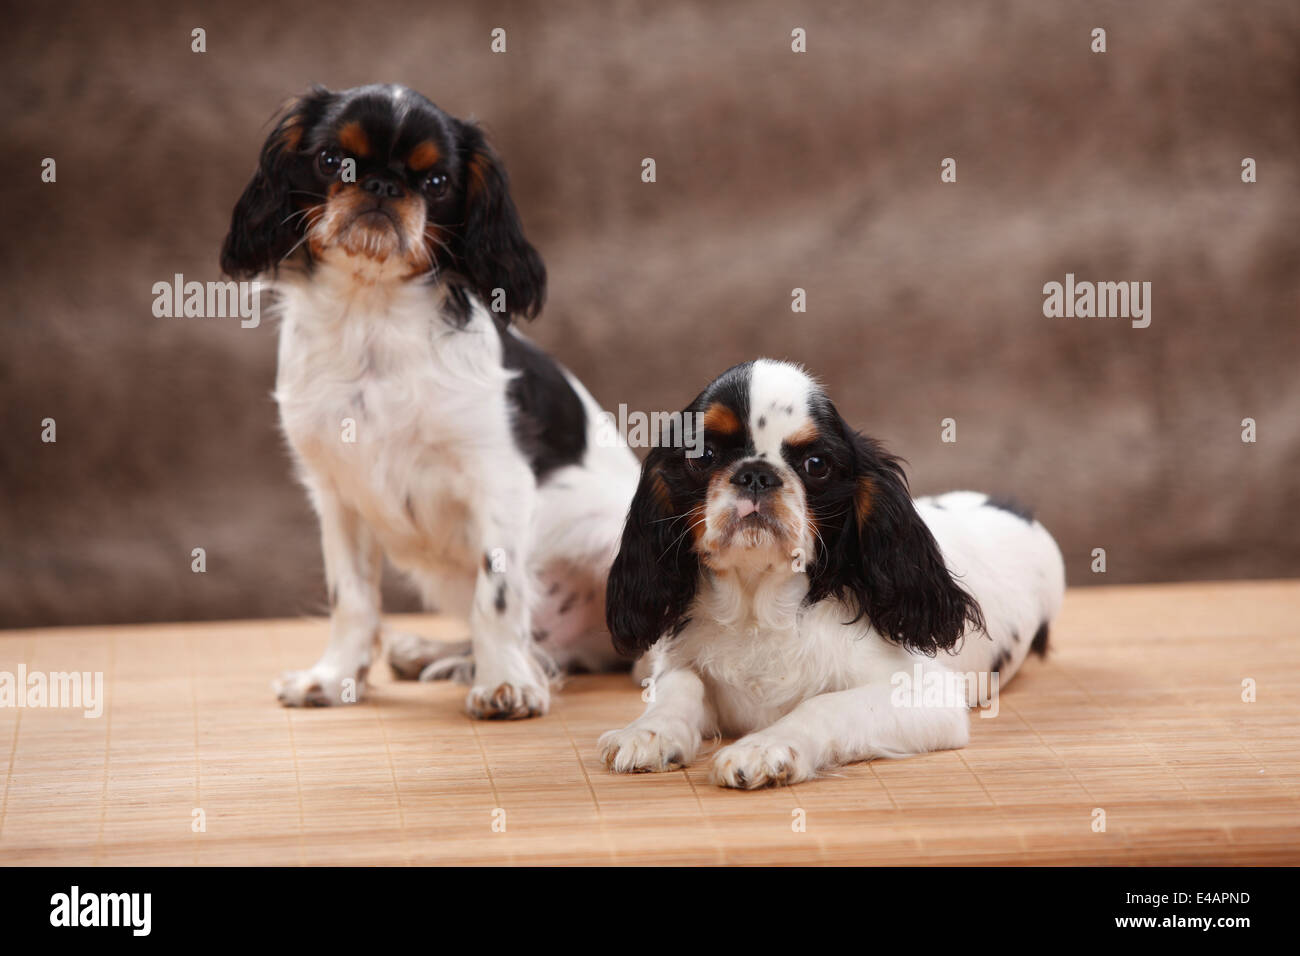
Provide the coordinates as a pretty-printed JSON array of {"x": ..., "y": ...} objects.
[{"x": 775, "y": 171}]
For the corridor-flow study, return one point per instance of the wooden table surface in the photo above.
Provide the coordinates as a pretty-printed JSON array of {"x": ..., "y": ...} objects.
[{"x": 1136, "y": 720}]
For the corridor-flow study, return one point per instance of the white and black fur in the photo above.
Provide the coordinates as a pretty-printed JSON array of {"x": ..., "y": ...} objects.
[
  {"x": 473, "y": 464},
  {"x": 784, "y": 580}
]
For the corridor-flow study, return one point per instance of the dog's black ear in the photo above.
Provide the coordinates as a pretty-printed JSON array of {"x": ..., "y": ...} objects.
[
  {"x": 653, "y": 580},
  {"x": 883, "y": 561},
  {"x": 267, "y": 222},
  {"x": 493, "y": 253}
]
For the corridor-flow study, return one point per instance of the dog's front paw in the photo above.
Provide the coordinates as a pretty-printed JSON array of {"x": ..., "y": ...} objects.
[
  {"x": 644, "y": 749},
  {"x": 508, "y": 701},
  {"x": 760, "y": 761},
  {"x": 318, "y": 687}
]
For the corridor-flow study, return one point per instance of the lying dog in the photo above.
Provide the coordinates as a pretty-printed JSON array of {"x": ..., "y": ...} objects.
[
  {"x": 423, "y": 425},
  {"x": 788, "y": 585}
]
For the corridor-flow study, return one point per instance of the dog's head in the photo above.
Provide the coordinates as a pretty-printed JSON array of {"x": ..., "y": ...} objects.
[
  {"x": 784, "y": 486},
  {"x": 380, "y": 182}
]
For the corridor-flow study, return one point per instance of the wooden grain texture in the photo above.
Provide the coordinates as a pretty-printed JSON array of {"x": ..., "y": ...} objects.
[{"x": 1137, "y": 712}]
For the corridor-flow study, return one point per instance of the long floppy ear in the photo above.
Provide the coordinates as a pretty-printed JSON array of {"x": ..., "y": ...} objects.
[
  {"x": 653, "y": 580},
  {"x": 493, "y": 252},
  {"x": 884, "y": 562},
  {"x": 264, "y": 226}
]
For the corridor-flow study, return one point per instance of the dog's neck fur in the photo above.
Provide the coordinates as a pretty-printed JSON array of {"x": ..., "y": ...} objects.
[
  {"x": 766, "y": 597},
  {"x": 343, "y": 285}
]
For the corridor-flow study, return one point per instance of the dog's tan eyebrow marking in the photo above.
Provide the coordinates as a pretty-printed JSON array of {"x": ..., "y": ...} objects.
[
  {"x": 423, "y": 155},
  {"x": 804, "y": 435},
  {"x": 353, "y": 138},
  {"x": 720, "y": 418}
]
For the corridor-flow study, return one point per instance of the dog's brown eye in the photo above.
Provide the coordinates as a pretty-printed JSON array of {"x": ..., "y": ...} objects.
[
  {"x": 815, "y": 466},
  {"x": 435, "y": 184},
  {"x": 328, "y": 162},
  {"x": 703, "y": 461}
]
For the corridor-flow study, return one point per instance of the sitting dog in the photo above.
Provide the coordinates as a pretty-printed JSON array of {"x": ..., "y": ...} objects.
[
  {"x": 424, "y": 427},
  {"x": 788, "y": 587}
]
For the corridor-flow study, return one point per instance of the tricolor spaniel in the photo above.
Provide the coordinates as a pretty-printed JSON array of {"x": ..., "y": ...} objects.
[
  {"x": 789, "y": 590},
  {"x": 423, "y": 425}
]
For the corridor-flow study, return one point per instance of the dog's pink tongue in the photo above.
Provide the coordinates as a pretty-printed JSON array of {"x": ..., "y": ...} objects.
[{"x": 745, "y": 507}]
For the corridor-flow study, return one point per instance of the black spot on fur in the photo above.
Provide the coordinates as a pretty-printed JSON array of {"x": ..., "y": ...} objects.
[
  {"x": 487, "y": 562},
  {"x": 569, "y": 601},
  {"x": 501, "y": 598},
  {"x": 1011, "y": 507},
  {"x": 549, "y": 422},
  {"x": 1039, "y": 644},
  {"x": 1001, "y": 659}
]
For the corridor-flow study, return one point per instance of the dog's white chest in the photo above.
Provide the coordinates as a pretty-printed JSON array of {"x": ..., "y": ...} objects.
[
  {"x": 757, "y": 673},
  {"x": 392, "y": 407}
]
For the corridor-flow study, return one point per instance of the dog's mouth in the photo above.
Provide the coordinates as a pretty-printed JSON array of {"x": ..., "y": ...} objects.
[
  {"x": 752, "y": 522},
  {"x": 376, "y": 218},
  {"x": 356, "y": 225}
]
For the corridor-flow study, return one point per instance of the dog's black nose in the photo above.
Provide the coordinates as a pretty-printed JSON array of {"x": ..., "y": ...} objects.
[
  {"x": 756, "y": 477},
  {"x": 382, "y": 187}
]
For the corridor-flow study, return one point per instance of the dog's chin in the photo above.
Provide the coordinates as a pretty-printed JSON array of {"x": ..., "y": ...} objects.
[
  {"x": 756, "y": 539},
  {"x": 375, "y": 235},
  {"x": 374, "y": 245},
  {"x": 754, "y": 530}
]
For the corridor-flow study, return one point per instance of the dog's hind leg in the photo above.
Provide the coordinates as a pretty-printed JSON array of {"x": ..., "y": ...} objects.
[{"x": 412, "y": 657}]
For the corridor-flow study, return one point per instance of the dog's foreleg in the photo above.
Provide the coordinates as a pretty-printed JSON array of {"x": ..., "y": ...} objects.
[
  {"x": 353, "y": 570},
  {"x": 667, "y": 736},
  {"x": 842, "y": 727},
  {"x": 509, "y": 680}
]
